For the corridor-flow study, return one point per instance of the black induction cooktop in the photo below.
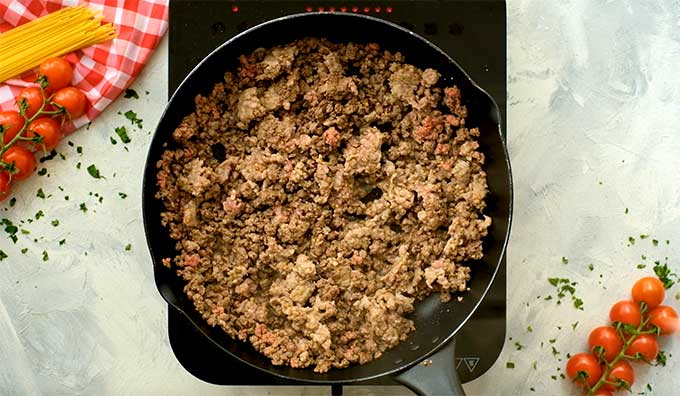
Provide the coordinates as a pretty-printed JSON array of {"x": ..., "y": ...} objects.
[{"x": 472, "y": 32}]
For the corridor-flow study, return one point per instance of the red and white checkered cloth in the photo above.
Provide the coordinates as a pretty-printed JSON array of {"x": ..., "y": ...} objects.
[{"x": 101, "y": 71}]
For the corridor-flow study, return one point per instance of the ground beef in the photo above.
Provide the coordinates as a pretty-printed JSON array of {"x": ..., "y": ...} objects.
[{"x": 317, "y": 194}]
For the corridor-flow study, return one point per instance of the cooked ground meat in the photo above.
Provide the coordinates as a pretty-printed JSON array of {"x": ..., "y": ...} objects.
[{"x": 317, "y": 194}]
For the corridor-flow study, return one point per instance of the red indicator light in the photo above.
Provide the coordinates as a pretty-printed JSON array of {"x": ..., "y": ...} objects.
[
  {"x": 377, "y": 9},
  {"x": 309, "y": 9},
  {"x": 343, "y": 9},
  {"x": 367, "y": 9},
  {"x": 320, "y": 9},
  {"x": 355, "y": 9},
  {"x": 234, "y": 9},
  {"x": 388, "y": 10},
  {"x": 331, "y": 9}
]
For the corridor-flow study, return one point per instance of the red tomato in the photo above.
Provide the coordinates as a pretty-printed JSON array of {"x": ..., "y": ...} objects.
[
  {"x": 12, "y": 123},
  {"x": 34, "y": 99},
  {"x": 665, "y": 318},
  {"x": 58, "y": 71},
  {"x": 645, "y": 345},
  {"x": 606, "y": 338},
  {"x": 621, "y": 371},
  {"x": 23, "y": 161},
  {"x": 586, "y": 364},
  {"x": 4, "y": 185},
  {"x": 627, "y": 312},
  {"x": 603, "y": 392},
  {"x": 49, "y": 129},
  {"x": 71, "y": 99},
  {"x": 650, "y": 290}
]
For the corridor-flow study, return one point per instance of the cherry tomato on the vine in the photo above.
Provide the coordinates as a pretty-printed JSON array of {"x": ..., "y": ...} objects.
[
  {"x": 607, "y": 338},
  {"x": 626, "y": 312},
  {"x": 603, "y": 392},
  {"x": 49, "y": 129},
  {"x": 34, "y": 100},
  {"x": 650, "y": 290},
  {"x": 584, "y": 363},
  {"x": 621, "y": 371},
  {"x": 23, "y": 161},
  {"x": 645, "y": 345},
  {"x": 72, "y": 100},
  {"x": 12, "y": 122},
  {"x": 665, "y": 318},
  {"x": 58, "y": 72},
  {"x": 4, "y": 185}
]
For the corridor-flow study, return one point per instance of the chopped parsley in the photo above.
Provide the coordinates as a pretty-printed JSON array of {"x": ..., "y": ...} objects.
[
  {"x": 644, "y": 236},
  {"x": 555, "y": 352},
  {"x": 655, "y": 242},
  {"x": 12, "y": 201},
  {"x": 40, "y": 194},
  {"x": 578, "y": 303},
  {"x": 534, "y": 365},
  {"x": 94, "y": 172},
  {"x": 10, "y": 229},
  {"x": 122, "y": 195},
  {"x": 55, "y": 222},
  {"x": 39, "y": 214},
  {"x": 132, "y": 116},
  {"x": 661, "y": 358},
  {"x": 631, "y": 241},
  {"x": 83, "y": 207},
  {"x": 626, "y": 211},
  {"x": 128, "y": 247},
  {"x": 113, "y": 141},
  {"x": 42, "y": 172},
  {"x": 573, "y": 325},
  {"x": 3, "y": 255},
  {"x": 45, "y": 256},
  {"x": 518, "y": 346},
  {"x": 24, "y": 250},
  {"x": 49, "y": 156},
  {"x": 63, "y": 241},
  {"x": 530, "y": 329},
  {"x": 25, "y": 231},
  {"x": 122, "y": 134},
  {"x": 665, "y": 275},
  {"x": 130, "y": 93},
  {"x": 565, "y": 260},
  {"x": 78, "y": 165},
  {"x": 510, "y": 365},
  {"x": 641, "y": 266},
  {"x": 79, "y": 149},
  {"x": 591, "y": 266}
]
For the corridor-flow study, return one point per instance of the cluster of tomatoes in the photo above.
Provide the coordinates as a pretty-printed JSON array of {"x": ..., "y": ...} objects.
[
  {"x": 632, "y": 336},
  {"x": 36, "y": 124}
]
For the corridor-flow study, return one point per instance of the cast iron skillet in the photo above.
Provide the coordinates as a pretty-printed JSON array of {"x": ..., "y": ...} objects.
[{"x": 436, "y": 323}]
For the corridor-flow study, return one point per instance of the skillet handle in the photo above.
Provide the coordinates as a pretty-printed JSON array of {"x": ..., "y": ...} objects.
[{"x": 437, "y": 379}]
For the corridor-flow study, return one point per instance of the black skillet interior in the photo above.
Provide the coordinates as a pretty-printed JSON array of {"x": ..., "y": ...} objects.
[{"x": 436, "y": 323}]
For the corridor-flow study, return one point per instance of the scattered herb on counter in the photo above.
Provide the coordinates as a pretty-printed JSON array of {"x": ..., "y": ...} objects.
[
  {"x": 24, "y": 250},
  {"x": 63, "y": 241},
  {"x": 39, "y": 214},
  {"x": 578, "y": 303},
  {"x": 94, "y": 172},
  {"x": 66, "y": 197},
  {"x": 643, "y": 257},
  {"x": 42, "y": 172},
  {"x": 644, "y": 236},
  {"x": 565, "y": 260},
  {"x": 122, "y": 134},
  {"x": 530, "y": 329},
  {"x": 591, "y": 266},
  {"x": 552, "y": 340},
  {"x": 631, "y": 241},
  {"x": 554, "y": 377},
  {"x": 45, "y": 256},
  {"x": 510, "y": 365},
  {"x": 532, "y": 389},
  {"x": 79, "y": 149},
  {"x": 49, "y": 156},
  {"x": 25, "y": 231},
  {"x": 555, "y": 352},
  {"x": 40, "y": 194},
  {"x": 55, "y": 222},
  {"x": 534, "y": 364},
  {"x": 122, "y": 195},
  {"x": 78, "y": 165},
  {"x": 70, "y": 143},
  {"x": 641, "y": 266},
  {"x": 89, "y": 124},
  {"x": 668, "y": 242},
  {"x": 626, "y": 212},
  {"x": 3, "y": 255},
  {"x": 573, "y": 325},
  {"x": 130, "y": 93},
  {"x": 655, "y": 242},
  {"x": 132, "y": 116},
  {"x": 12, "y": 201},
  {"x": 128, "y": 247},
  {"x": 83, "y": 207},
  {"x": 661, "y": 358},
  {"x": 62, "y": 156},
  {"x": 518, "y": 346},
  {"x": 147, "y": 92},
  {"x": 113, "y": 141}
]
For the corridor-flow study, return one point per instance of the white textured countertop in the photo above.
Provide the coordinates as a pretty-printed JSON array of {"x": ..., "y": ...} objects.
[{"x": 593, "y": 129}]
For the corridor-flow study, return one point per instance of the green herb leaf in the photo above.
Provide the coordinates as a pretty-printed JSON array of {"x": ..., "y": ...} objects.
[
  {"x": 510, "y": 365},
  {"x": 518, "y": 346},
  {"x": 128, "y": 247},
  {"x": 122, "y": 195},
  {"x": 664, "y": 274},
  {"x": 578, "y": 303},
  {"x": 122, "y": 134},
  {"x": 83, "y": 207},
  {"x": 565, "y": 260},
  {"x": 631, "y": 240},
  {"x": 530, "y": 329},
  {"x": 12, "y": 201},
  {"x": 641, "y": 266},
  {"x": 626, "y": 211},
  {"x": 132, "y": 116},
  {"x": 49, "y": 156},
  {"x": 24, "y": 250},
  {"x": 63, "y": 241},
  {"x": 55, "y": 222},
  {"x": 113, "y": 141},
  {"x": 39, "y": 214},
  {"x": 45, "y": 256},
  {"x": 40, "y": 194},
  {"x": 94, "y": 172},
  {"x": 3, "y": 255},
  {"x": 130, "y": 93},
  {"x": 42, "y": 172}
]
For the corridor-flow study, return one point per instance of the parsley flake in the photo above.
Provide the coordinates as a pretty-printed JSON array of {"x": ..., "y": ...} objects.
[
  {"x": 130, "y": 93},
  {"x": 122, "y": 195},
  {"x": 591, "y": 266},
  {"x": 42, "y": 172},
  {"x": 122, "y": 134},
  {"x": 3, "y": 255},
  {"x": 565, "y": 260},
  {"x": 94, "y": 172},
  {"x": 510, "y": 365},
  {"x": 39, "y": 214},
  {"x": 132, "y": 116},
  {"x": 45, "y": 256},
  {"x": 24, "y": 250},
  {"x": 40, "y": 194},
  {"x": 55, "y": 223},
  {"x": 12, "y": 201},
  {"x": 83, "y": 207},
  {"x": 63, "y": 241}
]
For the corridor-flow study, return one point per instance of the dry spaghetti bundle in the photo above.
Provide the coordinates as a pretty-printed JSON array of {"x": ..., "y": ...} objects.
[{"x": 55, "y": 34}]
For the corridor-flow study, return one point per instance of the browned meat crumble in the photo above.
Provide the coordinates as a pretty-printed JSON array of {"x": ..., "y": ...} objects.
[{"x": 317, "y": 194}]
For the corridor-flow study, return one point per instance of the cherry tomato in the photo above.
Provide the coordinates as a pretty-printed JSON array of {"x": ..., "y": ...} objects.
[
  {"x": 12, "y": 122},
  {"x": 621, "y": 371},
  {"x": 4, "y": 185},
  {"x": 23, "y": 161},
  {"x": 49, "y": 129},
  {"x": 584, "y": 363},
  {"x": 650, "y": 290},
  {"x": 71, "y": 99},
  {"x": 645, "y": 345},
  {"x": 58, "y": 71},
  {"x": 606, "y": 338},
  {"x": 627, "y": 312},
  {"x": 603, "y": 392},
  {"x": 665, "y": 318},
  {"x": 34, "y": 99}
]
